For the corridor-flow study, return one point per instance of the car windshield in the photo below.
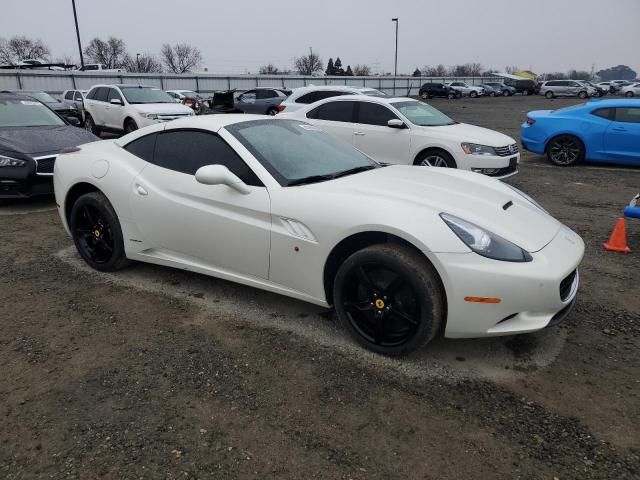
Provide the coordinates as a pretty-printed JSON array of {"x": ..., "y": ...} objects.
[
  {"x": 42, "y": 96},
  {"x": 422, "y": 114},
  {"x": 26, "y": 113},
  {"x": 145, "y": 95},
  {"x": 295, "y": 152},
  {"x": 373, "y": 93}
]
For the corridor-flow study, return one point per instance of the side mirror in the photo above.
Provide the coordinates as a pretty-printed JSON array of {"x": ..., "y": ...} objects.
[
  {"x": 73, "y": 121},
  {"x": 115, "y": 101},
  {"x": 221, "y": 175},
  {"x": 396, "y": 123}
]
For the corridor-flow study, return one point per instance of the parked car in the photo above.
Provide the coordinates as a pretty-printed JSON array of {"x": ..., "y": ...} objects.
[
  {"x": 438, "y": 90},
  {"x": 523, "y": 86},
  {"x": 99, "y": 67},
  {"x": 506, "y": 90},
  {"x": 632, "y": 90},
  {"x": 75, "y": 98},
  {"x": 606, "y": 86},
  {"x": 70, "y": 112},
  {"x": 566, "y": 88},
  {"x": 491, "y": 90},
  {"x": 599, "y": 91},
  {"x": 599, "y": 131},
  {"x": 466, "y": 89},
  {"x": 189, "y": 98},
  {"x": 300, "y": 97},
  {"x": 38, "y": 64},
  {"x": 409, "y": 132},
  {"x": 262, "y": 101},
  {"x": 403, "y": 254},
  {"x": 125, "y": 108},
  {"x": 31, "y": 137}
]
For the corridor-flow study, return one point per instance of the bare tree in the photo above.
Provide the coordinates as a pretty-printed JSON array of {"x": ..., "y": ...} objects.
[
  {"x": 143, "y": 63},
  {"x": 579, "y": 75},
  {"x": 361, "y": 70},
  {"x": 20, "y": 48},
  {"x": 181, "y": 57},
  {"x": 475, "y": 69},
  {"x": 437, "y": 71},
  {"x": 112, "y": 53},
  {"x": 308, "y": 64},
  {"x": 66, "y": 59},
  {"x": 269, "y": 69},
  {"x": 512, "y": 69}
]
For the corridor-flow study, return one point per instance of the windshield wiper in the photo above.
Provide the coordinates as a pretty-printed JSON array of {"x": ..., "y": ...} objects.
[
  {"x": 351, "y": 171},
  {"x": 310, "y": 179}
]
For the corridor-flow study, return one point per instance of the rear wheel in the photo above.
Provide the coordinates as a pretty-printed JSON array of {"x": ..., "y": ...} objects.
[
  {"x": 424, "y": 96},
  {"x": 549, "y": 94},
  {"x": 473, "y": 94},
  {"x": 389, "y": 298},
  {"x": 628, "y": 94},
  {"x": 583, "y": 95},
  {"x": 272, "y": 111},
  {"x": 565, "y": 150},
  {"x": 525, "y": 92},
  {"x": 96, "y": 232},
  {"x": 90, "y": 125},
  {"x": 506, "y": 93},
  {"x": 435, "y": 158}
]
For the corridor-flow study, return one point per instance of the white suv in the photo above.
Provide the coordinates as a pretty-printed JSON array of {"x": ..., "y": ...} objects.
[
  {"x": 466, "y": 89},
  {"x": 125, "y": 108},
  {"x": 303, "y": 96}
]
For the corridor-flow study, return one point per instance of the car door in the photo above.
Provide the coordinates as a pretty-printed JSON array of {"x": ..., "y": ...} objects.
[
  {"x": 622, "y": 139},
  {"x": 212, "y": 225},
  {"x": 113, "y": 116},
  {"x": 335, "y": 117},
  {"x": 374, "y": 137},
  {"x": 247, "y": 102},
  {"x": 98, "y": 111},
  {"x": 265, "y": 99}
]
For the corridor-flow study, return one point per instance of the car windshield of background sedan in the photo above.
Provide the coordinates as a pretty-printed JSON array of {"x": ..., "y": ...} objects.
[
  {"x": 26, "y": 113},
  {"x": 373, "y": 93},
  {"x": 139, "y": 95},
  {"x": 422, "y": 114},
  {"x": 295, "y": 152},
  {"x": 43, "y": 97}
]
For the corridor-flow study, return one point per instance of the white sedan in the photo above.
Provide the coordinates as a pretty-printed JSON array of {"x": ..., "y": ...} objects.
[
  {"x": 409, "y": 132},
  {"x": 404, "y": 254},
  {"x": 631, "y": 90}
]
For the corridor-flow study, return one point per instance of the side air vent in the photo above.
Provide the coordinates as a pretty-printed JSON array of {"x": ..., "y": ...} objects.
[{"x": 297, "y": 229}]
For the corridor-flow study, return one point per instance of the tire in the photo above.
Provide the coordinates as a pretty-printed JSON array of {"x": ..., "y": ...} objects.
[
  {"x": 424, "y": 96},
  {"x": 272, "y": 111},
  {"x": 96, "y": 233},
  {"x": 473, "y": 94},
  {"x": 90, "y": 126},
  {"x": 507, "y": 93},
  {"x": 129, "y": 126},
  {"x": 389, "y": 298},
  {"x": 628, "y": 94},
  {"x": 435, "y": 158},
  {"x": 565, "y": 150},
  {"x": 492, "y": 94},
  {"x": 452, "y": 96},
  {"x": 525, "y": 92},
  {"x": 583, "y": 95},
  {"x": 549, "y": 94}
]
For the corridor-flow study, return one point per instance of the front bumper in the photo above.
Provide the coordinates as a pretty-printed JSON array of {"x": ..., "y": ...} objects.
[
  {"x": 533, "y": 294},
  {"x": 491, "y": 165}
]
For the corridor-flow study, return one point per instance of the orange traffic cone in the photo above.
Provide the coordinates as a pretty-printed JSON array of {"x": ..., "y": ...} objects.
[{"x": 618, "y": 240}]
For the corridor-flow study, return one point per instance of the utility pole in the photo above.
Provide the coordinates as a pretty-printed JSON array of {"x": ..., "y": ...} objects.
[
  {"x": 75, "y": 17},
  {"x": 395, "y": 70},
  {"x": 138, "y": 61}
]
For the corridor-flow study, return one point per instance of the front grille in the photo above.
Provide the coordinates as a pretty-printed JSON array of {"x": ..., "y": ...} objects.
[
  {"x": 566, "y": 285},
  {"x": 506, "y": 150},
  {"x": 172, "y": 116},
  {"x": 44, "y": 165}
]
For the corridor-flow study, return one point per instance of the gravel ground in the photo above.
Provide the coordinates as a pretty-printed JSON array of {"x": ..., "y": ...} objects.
[{"x": 154, "y": 373}]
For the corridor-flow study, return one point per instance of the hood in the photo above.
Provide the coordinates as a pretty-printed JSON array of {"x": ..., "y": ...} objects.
[
  {"x": 162, "y": 108},
  {"x": 463, "y": 132},
  {"x": 43, "y": 140},
  {"x": 470, "y": 196}
]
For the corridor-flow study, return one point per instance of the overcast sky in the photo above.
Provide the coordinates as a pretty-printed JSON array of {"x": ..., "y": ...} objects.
[{"x": 235, "y": 37}]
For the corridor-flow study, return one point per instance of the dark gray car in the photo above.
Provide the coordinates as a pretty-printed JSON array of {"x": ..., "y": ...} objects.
[
  {"x": 491, "y": 90},
  {"x": 262, "y": 101}
]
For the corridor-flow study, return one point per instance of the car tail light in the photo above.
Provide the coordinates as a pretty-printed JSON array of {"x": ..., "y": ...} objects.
[
  {"x": 71, "y": 149},
  {"x": 188, "y": 102},
  {"x": 530, "y": 121},
  {"x": 281, "y": 108}
]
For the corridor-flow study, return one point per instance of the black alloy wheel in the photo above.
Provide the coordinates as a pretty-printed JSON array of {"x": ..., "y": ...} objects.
[
  {"x": 130, "y": 126},
  {"x": 473, "y": 94},
  {"x": 96, "y": 232},
  {"x": 565, "y": 150},
  {"x": 389, "y": 298}
]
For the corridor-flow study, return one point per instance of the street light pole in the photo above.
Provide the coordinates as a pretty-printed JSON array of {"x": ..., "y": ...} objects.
[
  {"x": 75, "y": 17},
  {"x": 395, "y": 71},
  {"x": 138, "y": 61}
]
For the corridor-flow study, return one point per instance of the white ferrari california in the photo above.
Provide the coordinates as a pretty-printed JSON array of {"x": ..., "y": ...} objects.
[{"x": 403, "y": 253}]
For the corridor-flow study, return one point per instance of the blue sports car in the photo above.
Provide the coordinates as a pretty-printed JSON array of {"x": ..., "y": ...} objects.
[{"x": 598, "y": 131}]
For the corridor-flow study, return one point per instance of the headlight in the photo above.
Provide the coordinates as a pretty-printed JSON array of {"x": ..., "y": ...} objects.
[
  {"x": 484, "y": 242},
  {"x": 527, "y": 197},
  {"x": 475, "y": 149},
  {"x": 11, "y": 162},
  {"x": 150, "y": 116}
]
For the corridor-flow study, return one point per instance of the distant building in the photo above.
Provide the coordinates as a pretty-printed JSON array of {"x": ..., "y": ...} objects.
[{"x": 529, "y": 75}]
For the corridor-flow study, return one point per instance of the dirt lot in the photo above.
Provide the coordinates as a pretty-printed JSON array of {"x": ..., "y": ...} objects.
[{"x": 153, "y": 373}]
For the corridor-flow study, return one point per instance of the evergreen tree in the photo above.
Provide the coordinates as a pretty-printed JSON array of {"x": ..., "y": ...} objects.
[
  {"x": 338, "y": 70},
  {"x": 417, "y": 73},
  {"x": 331, "y": 70},
  {"x": 349, "y": 73}
]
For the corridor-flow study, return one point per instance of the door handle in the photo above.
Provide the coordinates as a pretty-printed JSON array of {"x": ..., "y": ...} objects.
[
  {"x": 619, "y": 129},
  {"x": 141, "y": 191},
  {"x": 360, "y": 134}
]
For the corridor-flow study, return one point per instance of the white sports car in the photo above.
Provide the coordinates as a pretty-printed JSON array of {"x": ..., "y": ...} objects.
[{"x": 403, "y": 253}]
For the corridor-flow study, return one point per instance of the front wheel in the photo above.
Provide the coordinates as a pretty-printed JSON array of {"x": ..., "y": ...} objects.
[
  {"x": 583, "y": 95},
  {"x": 96, "y": 232},
  {"x": 424, "y": 96},
  {"x": 473, "y": 94},
  {"x": 628, "y": 94},
  {"x": 565, "y": 150},
  {"x": 435, "y": 158},
  {"x": 130, "y": 126},
  {"x": 549, "y": 94},
  {"x": 389, "y": 298},
  {"x": 90, "y": 126}
]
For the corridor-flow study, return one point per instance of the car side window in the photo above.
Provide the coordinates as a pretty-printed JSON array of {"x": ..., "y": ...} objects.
[
  {"x": 335, "y": 112},
  {"x": 260, "y": 94},
  {"x": 249, "y": 96},
  {"x": 78, "y": 97},
  {"x": 92, "y": 93},
  {"x": 113, "y": 94},
  {"x": 185, "y": 151},
  {"x": 605, "y": 113},
  {"x": 628, "y": 114},
  {"x": 102, "y": 94},
  {"x": 321, "y": 95},
  {"x": 68, "y": 95},
  {"x": 374, "y": 114},
  {"x": 307, "y": 98},
  {"x": 143, "y": 147}
]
